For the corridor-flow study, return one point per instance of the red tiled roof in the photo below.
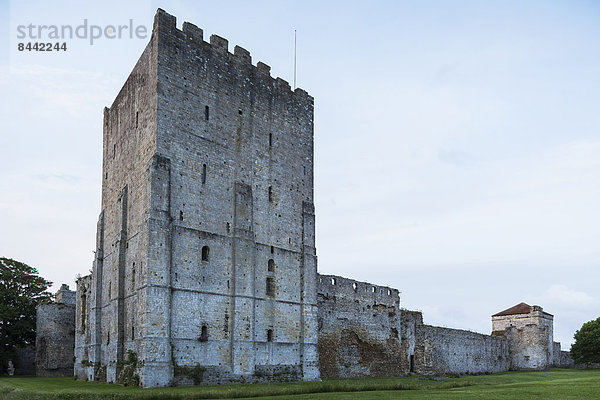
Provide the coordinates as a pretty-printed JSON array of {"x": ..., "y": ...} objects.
[{"x": 520, "y": 308}]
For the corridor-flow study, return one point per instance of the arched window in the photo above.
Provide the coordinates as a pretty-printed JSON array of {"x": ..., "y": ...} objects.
[
  {"x": 205, "y": 253},
  {"x": 203, "y": 334},
  {"x": 271, "y": 266},
  {"x": 206, "y": 113},
  {"x": 271, "y": 193},
  {"x": 269, "y": 335},
  {"x": 203, "y": 174}
]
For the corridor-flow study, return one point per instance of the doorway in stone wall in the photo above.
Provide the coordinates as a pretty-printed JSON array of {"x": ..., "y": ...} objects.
[{"x": 412, "y": 363}]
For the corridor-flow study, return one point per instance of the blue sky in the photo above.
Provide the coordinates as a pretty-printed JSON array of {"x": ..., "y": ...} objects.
[{"x": 456, "y": 155}]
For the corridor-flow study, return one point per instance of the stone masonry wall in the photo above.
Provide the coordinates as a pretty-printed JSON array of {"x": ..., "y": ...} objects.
[
  {"x": 55, "y": 339},
  {"x": 116, "y": 304},
  {"x": 205, "y": 255},
  {"x": 561, "y": 359},
  {"x": 235, "y": 177},
  {"x": 83, "y": 335},
  {"x": 452, "y": 351},
  {"x": 362, "y": 330},
  {"x": 530, "y": 336}
]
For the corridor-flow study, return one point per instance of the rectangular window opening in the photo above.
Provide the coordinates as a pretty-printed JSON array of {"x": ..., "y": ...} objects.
[{"x": 270, "y": 290}]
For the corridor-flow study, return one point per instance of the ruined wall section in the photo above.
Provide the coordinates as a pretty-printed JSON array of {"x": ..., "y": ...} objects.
[
  {"x": 83, "y": 334},
  {"x": 561, "y": 359},
  {"x": 362, "y": 331},
  {"x": 55, "y": 339},
  {"x": 453, "y": 351}
]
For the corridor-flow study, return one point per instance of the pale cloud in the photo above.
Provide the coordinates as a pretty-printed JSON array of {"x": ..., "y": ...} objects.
[
  {"x": 57, "y": 177},
  {"x": 561, "y": 294},
  {"x": 456, "y": 157}
]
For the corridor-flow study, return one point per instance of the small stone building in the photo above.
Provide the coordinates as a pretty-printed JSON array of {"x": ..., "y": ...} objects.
[
  {"x": 529, "y": 331},
  {"x": 55, "y": 335}
]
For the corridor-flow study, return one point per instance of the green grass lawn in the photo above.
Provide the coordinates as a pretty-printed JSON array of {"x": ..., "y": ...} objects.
[{"x": 552, "y": 384}]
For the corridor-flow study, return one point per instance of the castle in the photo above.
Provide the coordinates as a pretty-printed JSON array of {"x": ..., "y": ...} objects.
[{"x": 205, "y": 267}]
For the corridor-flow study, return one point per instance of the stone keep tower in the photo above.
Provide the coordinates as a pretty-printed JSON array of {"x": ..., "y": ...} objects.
[
  {"x": 529, "y": 331},
  {"x": 205, "y": 264}
]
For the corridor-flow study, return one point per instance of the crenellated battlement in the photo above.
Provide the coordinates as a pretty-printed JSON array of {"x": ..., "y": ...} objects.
[
  {"x": 193, "y": 36},
  {"x": 193, "y": 32}
]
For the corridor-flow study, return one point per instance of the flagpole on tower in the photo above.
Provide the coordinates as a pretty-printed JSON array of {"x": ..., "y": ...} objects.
[{"x": 294, "y": 59}]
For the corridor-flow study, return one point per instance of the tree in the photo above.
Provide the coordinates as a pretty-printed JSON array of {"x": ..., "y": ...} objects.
[
  {"x": 586, "y": 348},
  {"x": 21, "y": 290}
]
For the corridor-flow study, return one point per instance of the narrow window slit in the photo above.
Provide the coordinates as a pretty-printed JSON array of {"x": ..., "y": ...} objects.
[{"x": 203, "y": 334}]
